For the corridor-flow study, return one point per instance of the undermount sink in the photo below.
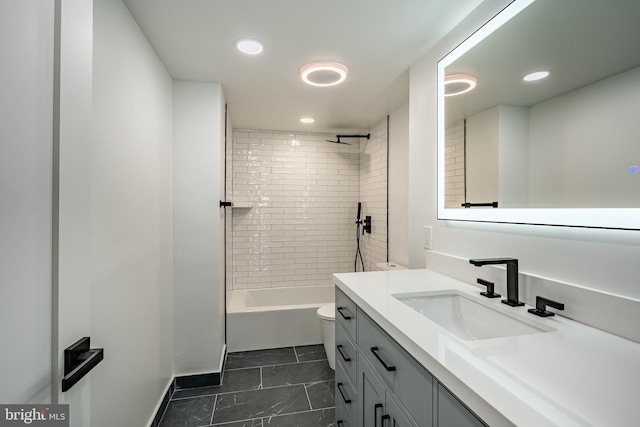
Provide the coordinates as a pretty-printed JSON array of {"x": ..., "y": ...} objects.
[{"x": 467, "y": 318}]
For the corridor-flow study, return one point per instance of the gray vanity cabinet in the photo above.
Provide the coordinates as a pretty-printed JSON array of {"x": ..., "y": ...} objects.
[
  {"x": 452, "y": 412},
  {"x": 372, "y": 396},
  {"x": 346, "y": 354},
  {"x": 347, "y": 400},
  {"x": 397, "y": 418},
  {"x": 346, "y": 313},
  {"x": 381, "y": 385},
  {"x": 405, "y": 378},
  {"x": 377, "y": 406}
]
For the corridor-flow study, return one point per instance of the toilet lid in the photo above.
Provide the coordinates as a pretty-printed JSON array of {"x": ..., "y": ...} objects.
[{"x": 327, "y": 311}]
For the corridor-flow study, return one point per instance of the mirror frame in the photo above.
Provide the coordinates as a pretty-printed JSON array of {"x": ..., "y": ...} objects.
[{"x": 615, "y": 218}]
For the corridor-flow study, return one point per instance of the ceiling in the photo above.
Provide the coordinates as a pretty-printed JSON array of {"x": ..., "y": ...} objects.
[{"x": 378, "y": 40}]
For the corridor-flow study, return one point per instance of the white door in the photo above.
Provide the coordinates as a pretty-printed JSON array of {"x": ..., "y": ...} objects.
[
  {"x": 26, "y": 120},
  {"x": 45, "y": 131}
]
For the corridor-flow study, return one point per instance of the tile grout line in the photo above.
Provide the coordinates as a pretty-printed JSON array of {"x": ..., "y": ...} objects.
[
  {"x": 308, "y": 399},
  {"x": 277, "y": 364},
  {"x": 296, "y": 353},
  {"x": 261, "y": 383},
  {"x": 215, "y": 402},
  {"x": 273, "y": 416},
  {"x": 254, "y": 389},
  {"x": 224, "y": 423},
  {"x": 290, "y": 413}
]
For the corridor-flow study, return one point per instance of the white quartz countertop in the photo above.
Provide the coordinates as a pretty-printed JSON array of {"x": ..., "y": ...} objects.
[{"x": 575, "y": 375}]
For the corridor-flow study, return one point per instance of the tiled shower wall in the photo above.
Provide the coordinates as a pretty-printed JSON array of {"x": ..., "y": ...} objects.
[
  {"x": 373, "y": 195},
  {"x": 301, "y": 194},
  {"x": 454, "y": 165}
]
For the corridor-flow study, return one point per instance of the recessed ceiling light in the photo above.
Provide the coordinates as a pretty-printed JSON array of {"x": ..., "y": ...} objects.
[
  {"x": 538, "y": 75},
  {"x": 249, "y": 46},
  {"x": 323, "y": 73},
  {"x": 457, "y": 84},
  {"x": 307, "y": 120}
]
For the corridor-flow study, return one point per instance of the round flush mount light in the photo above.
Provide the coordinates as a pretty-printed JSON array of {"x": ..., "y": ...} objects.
[
  {"x": 323, "y": 73},
  {"x": 457, "y": 84},
  {"x": 538, "y": 75},
  {"x": 250, "y": 46},
  {"x": 307, "y": 120}
]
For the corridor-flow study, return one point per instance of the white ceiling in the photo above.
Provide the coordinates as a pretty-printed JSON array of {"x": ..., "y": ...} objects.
[{"x": 378, "y": 40}]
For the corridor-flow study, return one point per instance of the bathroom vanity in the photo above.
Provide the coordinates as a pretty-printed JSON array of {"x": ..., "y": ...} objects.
[{"x": 416, "y": 348}]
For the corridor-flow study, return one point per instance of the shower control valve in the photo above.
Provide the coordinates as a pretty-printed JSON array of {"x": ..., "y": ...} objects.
[{"x": 367, "y": 225}]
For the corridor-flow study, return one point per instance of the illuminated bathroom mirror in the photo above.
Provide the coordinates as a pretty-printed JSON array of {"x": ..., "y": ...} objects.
[{"x": 561, "y": 147}]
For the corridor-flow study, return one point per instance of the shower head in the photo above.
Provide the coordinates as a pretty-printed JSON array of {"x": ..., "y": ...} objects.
[
  {"x": 338, "y": 141},
  {"x": 368, "y": 136}
]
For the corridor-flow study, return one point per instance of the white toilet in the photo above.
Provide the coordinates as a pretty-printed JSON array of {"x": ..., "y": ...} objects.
[{"x": 327, "y": 315}]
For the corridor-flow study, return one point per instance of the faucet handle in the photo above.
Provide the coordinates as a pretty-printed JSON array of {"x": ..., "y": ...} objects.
[
  {"x": 541, "y": 306},
  {"x": 489, "y": 285}
]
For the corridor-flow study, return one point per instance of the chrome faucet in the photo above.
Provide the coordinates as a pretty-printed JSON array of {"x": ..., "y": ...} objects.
[{"x": 512, "y": 277}]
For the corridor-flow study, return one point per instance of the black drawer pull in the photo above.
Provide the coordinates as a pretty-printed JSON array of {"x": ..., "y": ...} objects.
[
  {"x": 339, "y": 310},
  {"x": 340, "y": 423},
  {"x": 374, "y": 350},
  {"x": 375, "y": 414},
  {"x": 339, "y": 385},
  {"x": 385, "y": 418},
  {"x": 345, "y": 358}
]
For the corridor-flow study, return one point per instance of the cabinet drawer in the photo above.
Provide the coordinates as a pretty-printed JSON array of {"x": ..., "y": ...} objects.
[
  {"x": 346, "y": 399},
  {"x": 346, "y": 314},
  {"x": 408, "y": 381},
  {"x": 346, "y": 355}
]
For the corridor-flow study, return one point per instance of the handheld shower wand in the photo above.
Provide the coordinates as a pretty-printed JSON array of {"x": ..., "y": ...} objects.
[{"x": 358, "y": 253}]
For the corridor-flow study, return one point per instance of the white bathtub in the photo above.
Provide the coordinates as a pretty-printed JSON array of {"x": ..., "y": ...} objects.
[{"x": 275, "y": 317}]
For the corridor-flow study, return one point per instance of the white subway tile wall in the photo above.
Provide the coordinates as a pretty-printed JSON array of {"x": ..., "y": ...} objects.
[
  {"x": 373, "y": 195},
  {"x": 454, "y": 169},
  {"x": 303, "y": 193}
]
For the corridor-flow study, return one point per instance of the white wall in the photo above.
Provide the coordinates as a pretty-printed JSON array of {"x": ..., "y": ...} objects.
[
  {"x": 482, "y": 151},
  {"x": 497, "y": 156},
  {"x": 198, "y": 292},
  {"x": 398, "y": 185},
  {"x": 582, "y": 144},
  {"x": 72, "y": 289},
  {"x": 131, "y": 224},
  {"x": 513, "y": 177},
  {"x": 605, "y": 260},
  {"x": 26, "y": 119},
  {"x": 45, "y": 118}
]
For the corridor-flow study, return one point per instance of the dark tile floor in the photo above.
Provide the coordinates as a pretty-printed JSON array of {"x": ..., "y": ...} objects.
[{"x": 281, "y": 387}]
